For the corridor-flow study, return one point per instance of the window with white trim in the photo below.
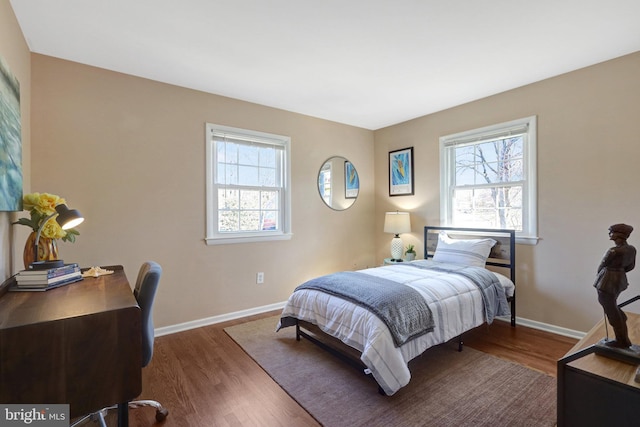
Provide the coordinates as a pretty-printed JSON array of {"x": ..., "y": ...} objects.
[
  {"x": 488, "y": 178},
  {"x": 248, "y": 186}
]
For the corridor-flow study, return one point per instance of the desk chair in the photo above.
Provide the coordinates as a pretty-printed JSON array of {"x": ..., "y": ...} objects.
[{"x": 145, "y": 292}]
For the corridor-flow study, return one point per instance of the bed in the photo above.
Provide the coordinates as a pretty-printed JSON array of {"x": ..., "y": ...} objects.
[{"x": 466, "y": 279}]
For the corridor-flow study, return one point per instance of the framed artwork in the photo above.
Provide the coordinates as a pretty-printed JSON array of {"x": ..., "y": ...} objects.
[
  {"x": 351, "y": 181},
  {"x": 10, "y": 141},
  {"x": 401, "y": 172}
]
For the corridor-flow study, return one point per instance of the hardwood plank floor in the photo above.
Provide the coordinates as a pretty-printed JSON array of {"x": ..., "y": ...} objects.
[
  {"x": 205, "y": 379},
  {"x": 529, "y": 347}
]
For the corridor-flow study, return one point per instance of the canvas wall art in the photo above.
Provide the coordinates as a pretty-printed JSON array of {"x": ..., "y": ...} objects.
[{"x": 10, "y": 141}]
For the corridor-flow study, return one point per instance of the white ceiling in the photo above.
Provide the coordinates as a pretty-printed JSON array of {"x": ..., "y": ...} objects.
[{"x": 367, "y": 63}]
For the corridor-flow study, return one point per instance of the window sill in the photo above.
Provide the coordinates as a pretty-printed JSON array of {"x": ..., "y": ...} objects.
[
  {"x": 248, "y": 239},
  {"x": 527, "y": 240}
]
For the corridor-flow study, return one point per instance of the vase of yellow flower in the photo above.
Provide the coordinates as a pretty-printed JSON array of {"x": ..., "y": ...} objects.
[
  {"x": 47, "y": 249},
  {"x": 41, "y": 206}
]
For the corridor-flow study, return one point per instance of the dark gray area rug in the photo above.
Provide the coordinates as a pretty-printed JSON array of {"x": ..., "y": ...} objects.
[{"x": 447, "y": 388}]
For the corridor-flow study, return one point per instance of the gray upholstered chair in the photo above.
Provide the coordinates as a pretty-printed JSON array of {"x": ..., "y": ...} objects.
[{"x": 145, "y": 292}]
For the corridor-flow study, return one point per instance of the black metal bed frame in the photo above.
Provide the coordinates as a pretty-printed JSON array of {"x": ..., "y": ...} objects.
[
  {"x": 499, "y": 256},
  {"x": 499, "y": 260}
]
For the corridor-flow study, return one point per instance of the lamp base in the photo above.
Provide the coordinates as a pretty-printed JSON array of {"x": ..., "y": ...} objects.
[
  {"x": 396, "y": 248},
  {"x": 46, "y": 265}
]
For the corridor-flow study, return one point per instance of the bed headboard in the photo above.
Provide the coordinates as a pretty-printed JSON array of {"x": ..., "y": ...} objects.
[{"x": 503, "y": 253}]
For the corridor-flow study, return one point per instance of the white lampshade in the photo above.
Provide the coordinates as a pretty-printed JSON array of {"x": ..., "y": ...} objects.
[{"x": 396, "y": 223}]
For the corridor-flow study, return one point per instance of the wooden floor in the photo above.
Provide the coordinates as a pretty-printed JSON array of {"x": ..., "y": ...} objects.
[{"x": 206, "y": 380}]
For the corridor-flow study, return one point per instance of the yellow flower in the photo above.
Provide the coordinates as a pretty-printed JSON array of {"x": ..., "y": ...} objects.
[
  {"x": 52, "y": 230},
  {"x": 40, "y": 206},
  {"x": 43, "y": 203}
]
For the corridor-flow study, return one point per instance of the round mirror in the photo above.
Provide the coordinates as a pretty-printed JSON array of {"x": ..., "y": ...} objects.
[{"x": 338, "y": 183}]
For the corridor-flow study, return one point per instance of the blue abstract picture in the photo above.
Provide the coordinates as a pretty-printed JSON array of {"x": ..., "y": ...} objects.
[
  {"x": 352, "y": 181},
  {"x": 401, "y": 169},
  {"x": 401, "y": 172},
  {"x": 10, "y": 141}
]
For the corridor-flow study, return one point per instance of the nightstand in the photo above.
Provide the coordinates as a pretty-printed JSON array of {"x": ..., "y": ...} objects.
[{"x": 388, "y": 261}]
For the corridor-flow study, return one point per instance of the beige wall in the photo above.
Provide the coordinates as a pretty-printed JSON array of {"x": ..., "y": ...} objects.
[
  {"x": 130, "y": 154},
  {"x": 588, "y": 179},
  {"x": 15, "y": 52}
]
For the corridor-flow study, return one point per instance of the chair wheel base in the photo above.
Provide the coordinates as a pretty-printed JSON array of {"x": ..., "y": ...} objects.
[{"x": 161, "y": 414}]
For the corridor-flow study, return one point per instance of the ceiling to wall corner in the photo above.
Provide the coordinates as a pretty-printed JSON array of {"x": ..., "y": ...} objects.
[{"x": 366, "y": 63}]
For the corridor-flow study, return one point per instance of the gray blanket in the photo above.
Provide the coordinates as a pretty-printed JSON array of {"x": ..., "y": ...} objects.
[
  {"x": 400, "y": 307},
  {"x": 493, "y": 296}
]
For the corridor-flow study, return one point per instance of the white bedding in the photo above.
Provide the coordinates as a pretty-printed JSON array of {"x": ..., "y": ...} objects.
[{"x": 456, "y": 304}]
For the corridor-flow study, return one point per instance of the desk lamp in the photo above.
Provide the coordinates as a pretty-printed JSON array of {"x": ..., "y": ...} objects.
[
  {"x": 67, "y": 218},
  {"x": 396, "y": 223}
]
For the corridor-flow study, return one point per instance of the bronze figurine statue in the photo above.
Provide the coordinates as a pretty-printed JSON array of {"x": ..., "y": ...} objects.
[{"x": 612, "y": 280}]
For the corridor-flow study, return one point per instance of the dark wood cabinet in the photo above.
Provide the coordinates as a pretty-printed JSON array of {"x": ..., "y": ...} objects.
[
  {"x": 597, "y": 390},
  {"x": 78, "y": 344}
]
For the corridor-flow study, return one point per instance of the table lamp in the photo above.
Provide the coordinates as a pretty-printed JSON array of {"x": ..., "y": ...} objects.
[
  {"x": 67, "y": 218},
  {"x": 396, "y": 223}
]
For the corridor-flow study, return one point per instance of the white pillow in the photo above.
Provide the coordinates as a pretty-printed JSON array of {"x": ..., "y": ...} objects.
[
  {"x": 507, "y": 284},
  {"x": 473, "y": 252}
]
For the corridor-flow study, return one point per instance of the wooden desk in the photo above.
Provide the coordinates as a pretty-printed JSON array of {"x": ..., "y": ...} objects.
[
  {"x": 597, "y": 390},
  {"x": 79, "y": 344}
]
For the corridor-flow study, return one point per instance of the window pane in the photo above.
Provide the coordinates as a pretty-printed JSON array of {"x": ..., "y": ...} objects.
[
  {"x": 248, "y": 155},
  {"x": 514, "y": 147},
  {"x": 230, "y": 174},
  {"x": 465, "y": 176},
  {"x": 228, "y": 221},
  {"x": 487, "y": 152},
  {"x": 490, "y": 162},
  {"x": 512, "y": 171},
  {"x": 269, "y": 200},
  {"x": 270, "y": 221},
  {"x": 228, "y": 199},
  {"x": 268, "y": 157},
  {"x": 250, "y": 199},
  {"x": 229, "y": 153},
  {"x": 497, "y": 207},
  {"x": 268, "y": 177},
  {"x": 513, "y": 218},
  {"x": 248, "y": 175},
  {"x": 465, "y": 155},
  {"x": 249, "y": 220}
]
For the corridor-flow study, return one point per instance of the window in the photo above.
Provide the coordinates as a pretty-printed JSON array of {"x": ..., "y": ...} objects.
[
  {"x": 488, "y": 178},
  {"x": 248, "y": 191},
  {"x": 324, "y": 183}
]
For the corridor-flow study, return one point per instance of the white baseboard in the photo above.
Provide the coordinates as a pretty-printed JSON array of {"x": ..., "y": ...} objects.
[
  {"x": 546, "y": 327},
  {"x": 166, "y": 330},
  {"x": 280, "y": 305}
]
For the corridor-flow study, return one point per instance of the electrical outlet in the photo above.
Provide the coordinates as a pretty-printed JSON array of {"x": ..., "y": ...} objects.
[{"x": 260, "y": 277}]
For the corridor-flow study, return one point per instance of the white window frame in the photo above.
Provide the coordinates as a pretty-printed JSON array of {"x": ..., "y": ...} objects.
[
  {"x": 529, "y": 233},
  {"x": 213, "y": 236}
]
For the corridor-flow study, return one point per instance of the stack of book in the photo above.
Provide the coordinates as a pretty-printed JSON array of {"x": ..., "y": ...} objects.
[{"x": 42, "y": 280}]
